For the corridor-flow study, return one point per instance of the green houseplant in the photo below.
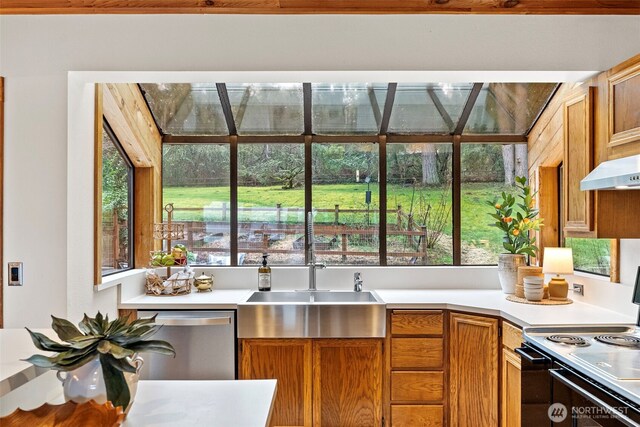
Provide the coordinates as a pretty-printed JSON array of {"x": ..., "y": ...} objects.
[
  {"x": 516, "y": 216},
  {"x": 101, "y": 351}
]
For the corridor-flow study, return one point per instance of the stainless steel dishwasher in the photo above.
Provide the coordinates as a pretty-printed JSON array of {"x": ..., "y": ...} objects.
[{"x": 205, "y": 343}]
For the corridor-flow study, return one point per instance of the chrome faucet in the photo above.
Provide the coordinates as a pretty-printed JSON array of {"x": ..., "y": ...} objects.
[
  {"x": 313, "y": 265},
  {"x": 312, "y": 274},
  {"x": 357, "y": 282}
]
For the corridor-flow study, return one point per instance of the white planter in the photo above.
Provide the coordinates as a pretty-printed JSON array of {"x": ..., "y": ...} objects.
[
  {"x": 508, "y": 271},
  {"x": 87, "y": 382}
]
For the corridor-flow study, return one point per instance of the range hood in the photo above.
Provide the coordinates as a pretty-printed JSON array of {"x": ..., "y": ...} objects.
[{"x": 618, "y": 174}]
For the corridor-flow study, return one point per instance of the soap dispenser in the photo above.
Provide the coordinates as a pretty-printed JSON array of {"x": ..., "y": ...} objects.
[{"x": 264, "y": 275}]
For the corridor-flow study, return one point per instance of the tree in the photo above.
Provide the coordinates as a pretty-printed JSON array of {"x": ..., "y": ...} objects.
[
  {"x": 430, "y": 165},
  {"x": 508, "y": 159}
]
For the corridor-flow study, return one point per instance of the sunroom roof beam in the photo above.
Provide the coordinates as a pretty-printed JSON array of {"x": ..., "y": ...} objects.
[
  {"x": 443, "y": 113},
  {"x": 466, "y": 112},
  {"x": 374, "y": 106},
  {"x": 388, "y": 106},
  {"x": 242, "y": 108},
  {"x": 226, "y": 108},
  {"x": 306, "y": 100}
]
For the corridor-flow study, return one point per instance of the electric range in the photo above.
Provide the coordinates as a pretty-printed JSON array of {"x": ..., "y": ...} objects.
[
  {"x": 610, "y": 355},
  {"x": 587, "y": 375}
]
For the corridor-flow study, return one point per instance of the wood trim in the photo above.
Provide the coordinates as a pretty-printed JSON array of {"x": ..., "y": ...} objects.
[
  {"x": 97, "y": 186},
  {"x": 548, "y": 199},
  {"x": 629, "y": 135},
  {"x": 539, "y": 7},
  {"x": 124, "y": 108},
  {"x": 614, "y": 269},
  {"x": 1, "y": 202}
]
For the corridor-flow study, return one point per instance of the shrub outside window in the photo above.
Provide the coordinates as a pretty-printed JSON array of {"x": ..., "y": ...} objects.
[{"x": 117, "y": 185}]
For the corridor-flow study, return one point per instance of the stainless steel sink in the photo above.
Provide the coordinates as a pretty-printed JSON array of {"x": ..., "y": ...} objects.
[
  {"x": 315, "y": 314},
  {"x": 312, "y": 297}
]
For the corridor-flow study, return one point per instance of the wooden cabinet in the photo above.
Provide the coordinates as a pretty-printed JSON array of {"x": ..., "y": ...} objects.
[
  {"x": 510, "y": 370},
  {"x": 473, "y": 370},
  {"x": 623, "y": 104},
  {"x": 288, "y": 361},
  {"x": 416, "y": 384},
  {"x": 347, "y": 382},
  {"x": 321, "y": 382},
  {"x": 578, "y": 162},
  {"x": 605, "y": 213}
]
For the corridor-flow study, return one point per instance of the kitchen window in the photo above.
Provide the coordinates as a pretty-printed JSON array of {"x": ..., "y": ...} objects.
[
  {"x": 117, "y": 185},
  {"x": 394, "y": 173}
]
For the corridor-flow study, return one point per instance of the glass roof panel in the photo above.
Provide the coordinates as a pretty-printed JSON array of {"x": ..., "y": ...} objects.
[
  {"x": 508, "y": 108},
  {"x": 421, "y": 108},
  {"x": 347, "y": 108},
  {"x": 186, "y": 108},
  {"x": 267, "y": 109}
]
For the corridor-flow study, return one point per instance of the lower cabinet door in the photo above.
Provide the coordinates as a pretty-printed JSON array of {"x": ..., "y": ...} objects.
[
  {"x": 417, "y": 415},
  {"x": 473, "y": 371},
  {"x": 510, "y": 389},
  {"x": 289, "y": 362},
  {"x": 347, "y": 382}
]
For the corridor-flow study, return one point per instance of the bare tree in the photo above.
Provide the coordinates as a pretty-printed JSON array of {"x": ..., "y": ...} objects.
[
  {"x": 508, "y": 159},
  {"x": 429, "y": 165},
  {"x": 522, "y": 167}
]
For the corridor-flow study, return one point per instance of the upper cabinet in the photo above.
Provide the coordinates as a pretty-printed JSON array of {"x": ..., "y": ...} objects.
[
  {"x": 623, "y": 104},
  {"x": 600, "y": 121}
]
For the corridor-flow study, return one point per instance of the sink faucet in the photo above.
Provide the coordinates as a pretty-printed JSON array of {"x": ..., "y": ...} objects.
[
  {"x": 313, "y": 265},
  {"x": 357, "y": 282}
]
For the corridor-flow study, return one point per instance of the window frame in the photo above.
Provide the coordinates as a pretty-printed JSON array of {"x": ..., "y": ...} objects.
[
  {"x": 382, "y": 141},
  {"x": 383, "y": 137},
  {"x": 130, "y": 200}
]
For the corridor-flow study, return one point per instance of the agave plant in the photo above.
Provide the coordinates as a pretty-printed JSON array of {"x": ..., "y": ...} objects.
[{"x": 112, "y": 342}]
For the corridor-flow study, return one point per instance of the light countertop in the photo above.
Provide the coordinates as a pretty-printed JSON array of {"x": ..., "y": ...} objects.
[
  {"x": 185, "y": 403},
  {"x": 491, "y": 302},
  {"x": 495, "y": 303},
  {"x": 16, "y": 344},
  {"x": 216, "y": 299}
]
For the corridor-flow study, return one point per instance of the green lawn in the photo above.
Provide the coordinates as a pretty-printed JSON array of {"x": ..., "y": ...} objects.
[{"x": 477, "y": 235}]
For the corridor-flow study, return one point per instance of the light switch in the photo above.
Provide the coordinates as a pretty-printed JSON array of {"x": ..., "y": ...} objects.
[{"x": 15, "y": 274}]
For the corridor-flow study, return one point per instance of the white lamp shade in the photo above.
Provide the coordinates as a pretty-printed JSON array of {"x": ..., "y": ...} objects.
[{"x": 558, "y": 261}]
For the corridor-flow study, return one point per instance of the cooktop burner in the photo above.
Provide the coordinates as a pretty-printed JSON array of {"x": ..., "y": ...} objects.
[
  {"x": 628, "y": 341},
  {"x": 568, "y": 340}
]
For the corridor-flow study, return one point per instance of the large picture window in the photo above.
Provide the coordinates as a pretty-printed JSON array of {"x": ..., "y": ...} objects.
[
  {"x": 117, "y": 185},
  {"x": 393, "y": 174}
]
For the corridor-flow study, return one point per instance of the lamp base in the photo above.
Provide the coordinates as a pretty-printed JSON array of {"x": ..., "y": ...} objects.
[{"x": 558, "y": 289}]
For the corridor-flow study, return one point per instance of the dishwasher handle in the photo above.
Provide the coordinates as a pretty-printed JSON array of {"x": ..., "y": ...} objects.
[{"x": 193, "y": 321}]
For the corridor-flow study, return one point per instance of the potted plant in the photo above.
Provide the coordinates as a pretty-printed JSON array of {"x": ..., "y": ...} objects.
[
  {"x": 516, "y": 217},
  {"x": 100, "y": 357}
]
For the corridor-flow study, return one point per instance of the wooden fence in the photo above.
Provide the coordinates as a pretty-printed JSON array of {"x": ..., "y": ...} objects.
[{"x": 267, "y": 232}]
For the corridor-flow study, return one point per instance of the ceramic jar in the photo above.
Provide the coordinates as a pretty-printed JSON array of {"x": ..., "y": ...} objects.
[
  {"x": 508, "y": 271},
  {"x": 87, "y": 382}
]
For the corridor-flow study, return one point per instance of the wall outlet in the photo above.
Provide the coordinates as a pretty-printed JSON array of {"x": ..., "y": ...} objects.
[{"x": 578, "y": 289}]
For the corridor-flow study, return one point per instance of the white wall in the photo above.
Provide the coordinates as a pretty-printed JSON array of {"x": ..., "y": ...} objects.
[{"x": 48, "y": 189}]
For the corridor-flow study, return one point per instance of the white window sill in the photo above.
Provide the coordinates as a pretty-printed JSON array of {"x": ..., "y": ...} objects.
[{"x": 116, "y": 279}]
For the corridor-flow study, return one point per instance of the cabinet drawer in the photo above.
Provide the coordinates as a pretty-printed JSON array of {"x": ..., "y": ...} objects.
[
  {"x": 416, "y": 352},
  {"x": 417, "y": 415},
  {"x": 511, "y": 336},
  {"x": 416, "y": 322},
  {"x": 417, "y": 386}
]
